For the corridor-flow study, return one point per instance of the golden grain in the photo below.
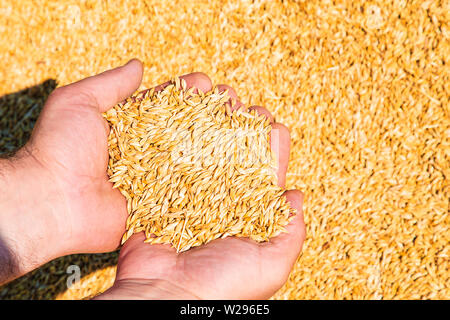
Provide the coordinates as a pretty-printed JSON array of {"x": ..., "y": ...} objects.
[{"x": 192, "y": 171}]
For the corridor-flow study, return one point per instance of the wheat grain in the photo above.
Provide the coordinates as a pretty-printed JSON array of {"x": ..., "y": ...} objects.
[{"x": 191, "y": 170}]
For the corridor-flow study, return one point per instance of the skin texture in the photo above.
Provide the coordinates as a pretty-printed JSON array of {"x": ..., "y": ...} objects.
[
  {"x": 55, "y": 199},
  {"x": 69, "y": 143}
]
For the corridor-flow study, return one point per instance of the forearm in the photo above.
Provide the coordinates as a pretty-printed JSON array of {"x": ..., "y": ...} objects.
[{"x": 27, "y": 211}]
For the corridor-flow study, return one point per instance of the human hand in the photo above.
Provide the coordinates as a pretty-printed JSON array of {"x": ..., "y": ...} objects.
[
  {"x": 55, "y": 195},
  {"x": 230, "y": 268}
]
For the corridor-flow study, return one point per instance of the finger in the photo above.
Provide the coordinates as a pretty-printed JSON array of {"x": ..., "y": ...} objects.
[
  {"x": 280, "y": 143},
  {"x": 106, "y": 89},
  {"x": 198, "y": 80},
  {"x": 262, "y": 111},
  {"x": 233, "y": 96}
]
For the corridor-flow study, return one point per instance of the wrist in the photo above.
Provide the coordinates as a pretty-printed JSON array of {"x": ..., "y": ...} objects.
[
  {"x": 29, "y": 206},
  {"x": 143, "y": 289}
]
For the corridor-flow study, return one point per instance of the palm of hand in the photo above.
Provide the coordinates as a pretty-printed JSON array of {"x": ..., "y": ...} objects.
[
  {"x": 70, "y": 143},
  {"x": 231, "y": 268}
]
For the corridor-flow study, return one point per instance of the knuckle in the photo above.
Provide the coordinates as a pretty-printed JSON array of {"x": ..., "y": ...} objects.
[
  {"x": 202, "y": 80},
  {"x": 281, "y": 127},
  {"x": 201, "y": 76}
]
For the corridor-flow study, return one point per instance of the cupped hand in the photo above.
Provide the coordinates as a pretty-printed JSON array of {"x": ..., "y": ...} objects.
[
  {"x": 69, "y": 146},
  {"x": 230, "y": 268}
]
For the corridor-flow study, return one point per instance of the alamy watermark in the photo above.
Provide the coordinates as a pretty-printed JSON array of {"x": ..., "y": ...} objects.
[
  {"x": 240, "y": 146},
  {"x": 73, "y": 280}
]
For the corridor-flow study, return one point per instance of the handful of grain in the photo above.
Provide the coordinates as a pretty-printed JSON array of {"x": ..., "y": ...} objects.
[{"x": 193, "y": 171}]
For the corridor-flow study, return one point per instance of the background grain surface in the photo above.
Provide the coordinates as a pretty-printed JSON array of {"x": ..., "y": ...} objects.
[{"x": 363, "y": 85}]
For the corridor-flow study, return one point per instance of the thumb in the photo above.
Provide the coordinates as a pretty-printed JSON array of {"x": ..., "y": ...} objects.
[{"x": 105, "y": 89}]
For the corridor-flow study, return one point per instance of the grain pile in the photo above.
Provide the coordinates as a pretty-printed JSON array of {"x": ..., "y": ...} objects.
[
  {"x": 364, "y": 87},
  {"x": 193, "y": 171}
]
